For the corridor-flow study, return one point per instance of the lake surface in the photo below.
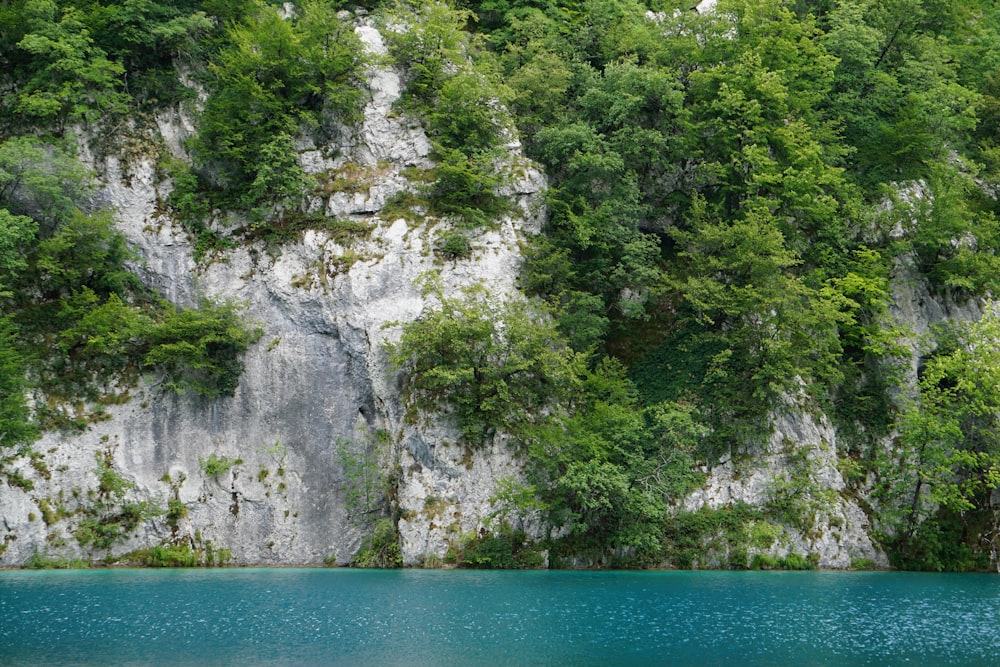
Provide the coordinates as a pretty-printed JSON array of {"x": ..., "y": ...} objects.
[{"x": 435, "y": 617}]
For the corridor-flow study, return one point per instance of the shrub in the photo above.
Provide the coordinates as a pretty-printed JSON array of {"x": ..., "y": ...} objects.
[
  {"x": 176, "y": 511},
  {"x": 404, "y": 204},
  {"x": 466, "y": 189},
  {"x": 110, "y": 485},
  {"x": 39, "y": 561},
  {"x": 201, "y": 350},
  {"x": 454, "y": 244},
  {"x": 795, "y": 561},
  {"x": 764, "y": 562},
  {"x": 863, "y": 564},
  {"x": 490, "y": 364},
  {"x": 164, "y": 555},
  {"x": 105, "y": 525},
  {"x": 213, "y": 466},
  {"x": 504, "y": 549},
  {"x": 275, "y": 76},
  {"x": 381, "y": 549}
]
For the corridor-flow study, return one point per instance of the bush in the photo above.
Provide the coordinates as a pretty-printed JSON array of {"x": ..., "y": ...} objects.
[
  {"x": 16, "y": 429},
  {"x": 274, "y": 78},
  {"x": 465, "y": 115},
  {"x": 489, "y": 551},
  {"x": 40, "y": 561},
  {"x": 466, "y": 189},
  {"x": 176, "y": 511},
  {"x": 454, "y": 245},
  {"x": 200, "y": 350},
  {"x": 795, "y": 561},
  {"x": 381, "y": 549},
  {"x": 490, "y": 364},
  {"x": 214, "y": 465},
  {"x": 764, "y": 562},
  {"x": 505, "y": 549},
  {"x": 696, "y": 538},
  {"x": 863, "y": 564},
  {"x": 105, "y": 525},
  {"x": 164, "y": 555}
]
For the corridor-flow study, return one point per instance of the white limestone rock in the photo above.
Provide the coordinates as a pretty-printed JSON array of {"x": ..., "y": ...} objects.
[
  {"x": 915, "y": 311},
  {"x": 799, "y": 458}
]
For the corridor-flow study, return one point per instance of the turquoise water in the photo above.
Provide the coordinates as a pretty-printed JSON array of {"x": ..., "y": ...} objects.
[{"x": 414, "y": 618}]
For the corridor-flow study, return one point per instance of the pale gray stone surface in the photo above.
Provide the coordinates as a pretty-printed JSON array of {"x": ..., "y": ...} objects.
[{"x": 801, "y": 446}]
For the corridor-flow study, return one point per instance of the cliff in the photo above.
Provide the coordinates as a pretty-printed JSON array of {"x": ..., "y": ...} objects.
[
  {"x": 777, "y": 294},
  {"x": 316, "y": 387}
]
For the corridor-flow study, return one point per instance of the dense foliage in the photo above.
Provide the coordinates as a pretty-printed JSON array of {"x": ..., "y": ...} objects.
[{"x": 732, "y": 194}]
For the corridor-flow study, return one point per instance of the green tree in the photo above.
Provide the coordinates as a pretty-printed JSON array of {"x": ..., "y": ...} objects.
[
  {"x": 954, "y": 239},
  {"x": 596, "y": 208},
  {"x": 465, "y": 115},
  {"x": 539, "y": 79},
  {"x": 367, "y": 484},
  {"x": 494, "y": 366},
  {"x": 17, "y": 233},
  {"x": 465, "y": 189},
  {"x": 200, "y": 350},
  {"x": 274, "y": 80},
  {"x": 773, "y": 329},
  {"x": 451, "y": 85},
  {"x": 70, "y": 77},
  {"x": 16, "y": 428},
  {"x": 41, "y": 181},
  {"x": 610, "y": 469},
  {"x": 84, "y": 252},
  {"x": 278, "y": 178},
  {"x": 947, "y": 463},
  {"x": 428, "y": 38},
  {"x": 897, "y": 85}
]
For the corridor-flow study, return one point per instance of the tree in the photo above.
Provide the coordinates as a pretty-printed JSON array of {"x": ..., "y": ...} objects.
[
  {"x": 85, "y": 251},
  {"x": 200, "y": 350},
  {"x": 275, "y": 79},
  {"x": 609, "y": 469},
  {"x": 41, "y": 181},
  {"x": 897, "y": 86},
  {"x": 279, "y": 178},
  {"x": 366, "y": 482},
  {"x": 773, "y": 329},
  {"x": 495, "y": 367},
  {"x": 947, "y": 464},
  {"x": 17, "y": 233},
  {"x": 465, "y": 115},
  {"x": 596, "y": 208},
  {"x": 71, "y": 78},
  {"x": 16, "y": 428},
  {"x": 429, "y": 38},
  {"x": 954, "y": 239}
]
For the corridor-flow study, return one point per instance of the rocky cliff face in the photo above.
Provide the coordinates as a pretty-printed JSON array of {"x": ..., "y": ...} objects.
[
  {"x": 318, "y": 405},
  {"x": 317, "y": 386},
  {"x": 796, "y": 469}
]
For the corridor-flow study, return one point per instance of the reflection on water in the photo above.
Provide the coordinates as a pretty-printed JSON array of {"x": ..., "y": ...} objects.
[{"x": 413, "y": 618}]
